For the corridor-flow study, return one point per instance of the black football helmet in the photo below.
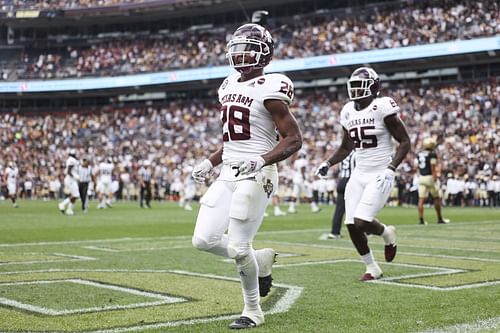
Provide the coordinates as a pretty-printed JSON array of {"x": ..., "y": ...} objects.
[
  {"x": 364, "y": 82},
  {"x": 251, "y": 47}
]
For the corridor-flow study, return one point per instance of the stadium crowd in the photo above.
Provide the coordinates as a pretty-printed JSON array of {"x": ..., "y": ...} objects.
[
  {"x": 174, "y": 136},
  {"x": 415, "y": 23},
  {"x": 7, "y": 5}
]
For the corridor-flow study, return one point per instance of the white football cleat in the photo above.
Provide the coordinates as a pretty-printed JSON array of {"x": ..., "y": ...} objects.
[
  {"x": 265, "y": 260},
  {"x": 389, "y": 236},
  {"x": 70, "y": 212},
  {"x": 373, "y": 272}
]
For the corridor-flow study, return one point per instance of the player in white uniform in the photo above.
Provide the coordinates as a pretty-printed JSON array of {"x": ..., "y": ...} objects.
[
  {"x": 370, "y": 123},
  {"x": 71, "y": 179},
  {"x": 104, "y": 189},
  {"x": 11, "y": 172},
  {"x": 254, "y": 111},
  {"x": 301, "y": 185}
]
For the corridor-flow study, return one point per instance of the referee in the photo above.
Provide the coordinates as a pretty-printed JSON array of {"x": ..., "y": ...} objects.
[
  {"x": 346, "y": 168},
  {"x": 85, "y": 173},
  {"x": 145, "y": 180}
]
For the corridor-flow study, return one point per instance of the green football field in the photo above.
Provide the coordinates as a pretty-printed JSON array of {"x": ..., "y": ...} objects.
[{"x": 128, "y": 269}]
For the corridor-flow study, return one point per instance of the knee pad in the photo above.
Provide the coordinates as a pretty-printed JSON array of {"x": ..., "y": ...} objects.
[
  {"x": 201, "y": 244},
  {"x": 238, "y": 250}
]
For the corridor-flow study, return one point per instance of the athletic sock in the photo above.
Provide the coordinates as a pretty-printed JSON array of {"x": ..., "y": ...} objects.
[
  {"x": 248, "y": 271},
  {"x": 368, "y": 258}
]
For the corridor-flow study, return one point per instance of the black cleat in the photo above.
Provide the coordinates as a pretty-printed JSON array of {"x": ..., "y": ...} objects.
[
  {"x": 242, "y": 323},
  {"x": 265, "y": 284}
]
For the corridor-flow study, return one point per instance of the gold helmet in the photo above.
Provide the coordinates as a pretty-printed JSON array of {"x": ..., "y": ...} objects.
[{"x": 429, "y": 143}]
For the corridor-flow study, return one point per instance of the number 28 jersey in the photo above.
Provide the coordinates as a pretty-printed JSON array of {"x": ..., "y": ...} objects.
[
  {"x": 247, "y": 126},
  {"x": 373, "y": 141}
]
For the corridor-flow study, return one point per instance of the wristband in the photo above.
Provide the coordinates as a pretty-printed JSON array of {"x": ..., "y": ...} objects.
[{"x": 391, "y": 167}]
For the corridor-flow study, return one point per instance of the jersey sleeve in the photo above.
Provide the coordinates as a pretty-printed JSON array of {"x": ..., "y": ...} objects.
[
  {"x": 277, "y": 86},
  {"x": 389, "y": 107},
  {"x": 432, "y": 158},
  {"x": 344, "y": 116},
  {"x": 220, "y": 91}
]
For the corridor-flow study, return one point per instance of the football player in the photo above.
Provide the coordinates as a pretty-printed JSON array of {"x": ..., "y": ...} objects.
[
  {"x": 10, "y": 177},
  {"x": 71, "y": 179},
  {"x": 369, "y": 122},
  {"x": 427, "y": 182},
  {"x": 104, "y": 189},
  {"x": 301, "y": 184},
  {"x": 254, "y": 105}
]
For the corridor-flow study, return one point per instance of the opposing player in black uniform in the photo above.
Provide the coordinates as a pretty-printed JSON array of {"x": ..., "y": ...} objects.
[{"x": 427, "y": 182}]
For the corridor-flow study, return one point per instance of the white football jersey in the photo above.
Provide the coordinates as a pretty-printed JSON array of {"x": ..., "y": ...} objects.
[
  {"x": 298, "y": 165},
  {"x": 72, "y": 163},
  {"x": 247, "y": 126},
  {"x": 11, "y": 174},
  {"x": 105, "y": 171},
  {"x": 373, "y": 141}
]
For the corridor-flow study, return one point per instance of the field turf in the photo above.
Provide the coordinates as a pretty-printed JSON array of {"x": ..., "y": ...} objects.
[{"x": 128, "y": 269}]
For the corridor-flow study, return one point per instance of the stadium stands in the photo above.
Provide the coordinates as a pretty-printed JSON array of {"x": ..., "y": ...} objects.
[
  {"x": 319, "y": 34},
  {"x": 173, "y": 134}
]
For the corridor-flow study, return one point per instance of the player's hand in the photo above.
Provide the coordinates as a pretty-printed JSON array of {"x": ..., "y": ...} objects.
[
  {"x": 250, "y": 166},
  {"x": 385, "y": 181},
  {"x": 202, "y": 170},
  {"x": 322, "y": 169}
]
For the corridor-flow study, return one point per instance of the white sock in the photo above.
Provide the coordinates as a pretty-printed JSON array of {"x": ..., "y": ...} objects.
[
  {"x": 71, "y": 205},
  {"x": 314, "y": 206},
  {"x": 248, "y": 271},
  {"x": 292, "y": 206},
  {"x": 66, "y": 201},
  {"x": 368, "y": 258}
]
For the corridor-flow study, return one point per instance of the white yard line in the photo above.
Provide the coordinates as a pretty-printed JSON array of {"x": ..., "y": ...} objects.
[
  {"x": 44, "y": 261},
  {"x": 473, "y": 327},
  {"x": 161, "y": 299},
  {"x": 282, "y": 305}
]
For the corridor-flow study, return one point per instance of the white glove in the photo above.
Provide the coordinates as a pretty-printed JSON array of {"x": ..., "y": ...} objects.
[
  {"x": 322, "y": 169},
  {"x": 385, "y": 181},
  {"x": 250, "y": 166},
  {"x": 202, "y": 170}
]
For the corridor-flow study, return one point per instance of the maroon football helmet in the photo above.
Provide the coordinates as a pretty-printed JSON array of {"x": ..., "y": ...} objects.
[{"x": 251, "y": 47}]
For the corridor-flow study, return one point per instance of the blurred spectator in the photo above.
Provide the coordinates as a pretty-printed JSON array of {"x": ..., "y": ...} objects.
[
  {"x": 174, "y": 136},
  {"x": 396, "y": 25}
]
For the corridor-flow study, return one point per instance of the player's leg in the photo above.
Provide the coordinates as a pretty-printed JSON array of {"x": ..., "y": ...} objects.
[
  {"x": 353, "y": 193},
  {"x": 248, "y": 205},
  {"x": 423, "y": 194},
  {"x": 67, "y": 189},
  {"x": 437, "y": 205},
  {"x": 213, "y": 220},
  {"x": 339, "y": 209},
  {"x": 12, "y": 190},
  {"x": 296, "y": 191},
  {"x": 74, "y": 195},
  {"x": 372, "y": 201}
]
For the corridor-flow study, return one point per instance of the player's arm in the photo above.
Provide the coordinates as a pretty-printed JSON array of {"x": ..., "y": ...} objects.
[
  {"x": 434, "y": 168},
  {"x": 216, "y": 158},
  {"x": 288, "y": 129},
  {"x": 345, "y": 148},
  {"x": 398, "y": 132}
]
